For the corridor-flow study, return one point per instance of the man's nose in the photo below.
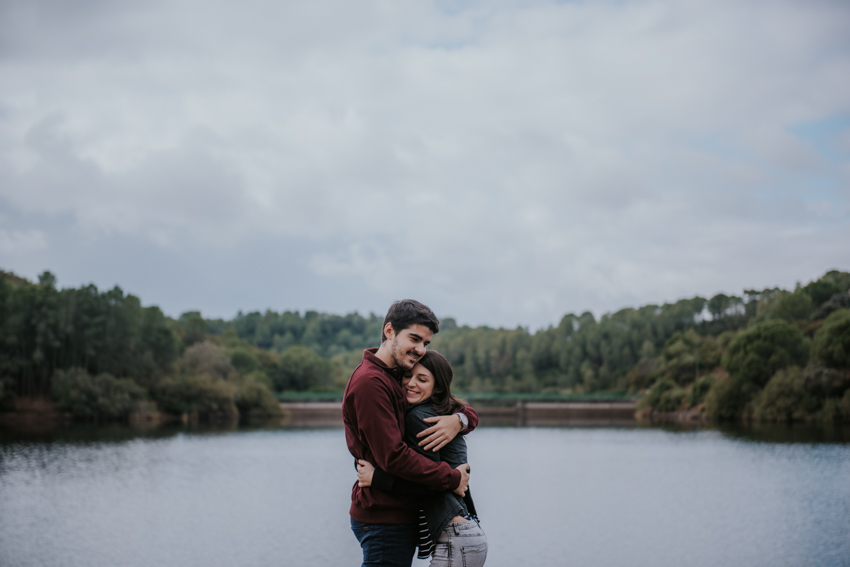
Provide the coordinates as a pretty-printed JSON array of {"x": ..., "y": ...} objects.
[{"x": 420, "y": 349}]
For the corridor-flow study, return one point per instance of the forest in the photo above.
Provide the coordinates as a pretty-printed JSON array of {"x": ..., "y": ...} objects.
[{"x": 770, "y": 355}]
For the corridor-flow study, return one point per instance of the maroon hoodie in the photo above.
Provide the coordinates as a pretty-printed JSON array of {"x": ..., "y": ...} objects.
[{"x": 373, "y": 409}]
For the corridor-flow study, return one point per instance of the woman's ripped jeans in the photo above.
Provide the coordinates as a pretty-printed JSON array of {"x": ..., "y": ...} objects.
[{"x": 460, "y": 545}]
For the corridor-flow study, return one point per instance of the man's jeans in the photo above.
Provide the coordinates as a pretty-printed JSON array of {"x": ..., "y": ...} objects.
[{"x": 386, "y": 545}]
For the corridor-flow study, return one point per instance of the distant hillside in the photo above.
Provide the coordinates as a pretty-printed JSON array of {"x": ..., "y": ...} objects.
[{"x": 681, "y": 353}]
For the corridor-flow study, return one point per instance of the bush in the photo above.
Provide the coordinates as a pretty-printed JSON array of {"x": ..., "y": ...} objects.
[
  {"x": 7, "y": 394},
  {"x": 785, "y": 398},
  {"x": 710, "y": 353},
  {"x": 199, "y": 394},
  {"x": 664, "y": 395},
  {"x": 727, "y": 399},
  {"x": 255, "y": 399},
  {"x": 205, "y": 358},
  {"x": 679, "y": 356},
  {"x": 641, "y": 375},
  {"x": 795, "y": 306},
  {"x": 824, "y": 382},
  {"x": 836, "y": 409},
  {"x": 699, "y": 389},
  {"x": 261, "y": 378},
  {"x": 101, "y": 396},
  {"x": 832, "y": 342},
  {"x": 759, "y": 352},
  {"x": 836, "y": 302},
  {"x": 244, "y": 361},
  {"x": 302, "y": 369},
  {"x": 671, "y": 400},
  {"x": 822, "y": 290}
]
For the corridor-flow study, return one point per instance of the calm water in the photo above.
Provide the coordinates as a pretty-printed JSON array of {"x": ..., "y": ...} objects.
[{"x": 547, "y": 497}]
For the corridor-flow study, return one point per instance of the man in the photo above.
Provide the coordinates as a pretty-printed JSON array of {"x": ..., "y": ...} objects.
[{"x": 373, "y": 409}]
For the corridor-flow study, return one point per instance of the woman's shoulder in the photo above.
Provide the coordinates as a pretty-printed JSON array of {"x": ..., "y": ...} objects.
[{"x": 421, "y": 410}]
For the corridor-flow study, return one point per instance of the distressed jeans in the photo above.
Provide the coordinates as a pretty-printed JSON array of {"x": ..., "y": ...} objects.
[
  {"x": 460, "y": 545},
  {"x": 386, "y": 545}
]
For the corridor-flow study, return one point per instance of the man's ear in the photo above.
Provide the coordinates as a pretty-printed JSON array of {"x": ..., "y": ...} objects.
[{"x": 389, "y": 332}]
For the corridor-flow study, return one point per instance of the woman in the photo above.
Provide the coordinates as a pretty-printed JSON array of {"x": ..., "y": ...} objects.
[{"x": 449, "y": 527}]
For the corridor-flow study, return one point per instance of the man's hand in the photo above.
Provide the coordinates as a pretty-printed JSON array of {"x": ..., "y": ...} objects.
[
  {"x": 464, "y": 480},
  {"x": 447, "y": 427}
]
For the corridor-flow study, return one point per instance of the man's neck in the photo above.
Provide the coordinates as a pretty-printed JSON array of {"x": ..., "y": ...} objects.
[{"x": 385, "y": 354}]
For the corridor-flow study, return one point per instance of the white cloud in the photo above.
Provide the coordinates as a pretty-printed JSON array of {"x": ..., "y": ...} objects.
[{"x": 515, "y": 159}]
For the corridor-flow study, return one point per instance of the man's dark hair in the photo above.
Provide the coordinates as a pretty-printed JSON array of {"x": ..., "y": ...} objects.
[{"x": 408, "y": 312}]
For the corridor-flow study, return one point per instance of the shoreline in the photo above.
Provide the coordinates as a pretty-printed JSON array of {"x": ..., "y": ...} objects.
[{"x": 533, "y": 414}]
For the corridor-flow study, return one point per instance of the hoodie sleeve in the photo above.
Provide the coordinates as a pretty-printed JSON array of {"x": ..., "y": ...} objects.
[{"x": 378, "y": 425}]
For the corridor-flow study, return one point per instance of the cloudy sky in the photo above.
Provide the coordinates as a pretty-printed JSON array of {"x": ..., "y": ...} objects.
[{"x": 505, "y": 162}]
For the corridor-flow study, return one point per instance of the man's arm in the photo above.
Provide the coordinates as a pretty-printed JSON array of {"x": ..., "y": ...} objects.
[
  {"x": 413, "y": 425},
  {"x": 400, "y": 487},
  {"x": 447, "y": 428}
]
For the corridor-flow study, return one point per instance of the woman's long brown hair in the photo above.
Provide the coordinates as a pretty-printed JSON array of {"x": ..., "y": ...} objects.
[{"x": 442, "y": 399}]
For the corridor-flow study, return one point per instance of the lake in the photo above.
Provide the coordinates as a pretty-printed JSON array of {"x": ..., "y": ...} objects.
[{"x": 106, "y": 496}]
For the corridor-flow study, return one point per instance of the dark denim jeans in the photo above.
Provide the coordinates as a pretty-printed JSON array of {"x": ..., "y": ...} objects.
[{"x": 386, "y": 545}]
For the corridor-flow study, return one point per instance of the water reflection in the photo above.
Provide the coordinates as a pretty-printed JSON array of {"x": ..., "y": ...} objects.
[{"x": 93, "y": 495}]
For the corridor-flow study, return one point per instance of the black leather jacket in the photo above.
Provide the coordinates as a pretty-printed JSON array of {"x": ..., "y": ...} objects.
[{"x": 439, "y": 507}]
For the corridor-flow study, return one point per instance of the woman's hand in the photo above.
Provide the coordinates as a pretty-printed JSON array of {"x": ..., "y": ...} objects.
[{"x": 365, "y": 470}]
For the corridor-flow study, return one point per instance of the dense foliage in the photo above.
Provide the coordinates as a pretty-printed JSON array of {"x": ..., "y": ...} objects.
[
  {"x": 100, "y": 354},
  {"x": 788, "y": 361},
  {"x": 728, "y": 356}
]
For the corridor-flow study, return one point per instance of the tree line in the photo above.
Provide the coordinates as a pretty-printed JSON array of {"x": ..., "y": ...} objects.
[{"x": 84, "y": 346}]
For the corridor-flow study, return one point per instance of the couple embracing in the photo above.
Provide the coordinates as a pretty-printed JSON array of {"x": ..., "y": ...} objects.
[{"x": 405, "y": 430}]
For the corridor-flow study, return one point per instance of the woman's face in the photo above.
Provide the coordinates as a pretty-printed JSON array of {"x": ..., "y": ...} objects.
[{"x": 420, "y": 385}]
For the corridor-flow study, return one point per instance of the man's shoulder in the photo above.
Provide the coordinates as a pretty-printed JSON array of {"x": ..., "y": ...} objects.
[
  {"x": 367, "y": 372},
  {"x": 368, "y": 378}
]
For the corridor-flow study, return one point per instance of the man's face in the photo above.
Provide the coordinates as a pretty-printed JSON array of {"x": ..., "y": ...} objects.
[{"x": 408, "y": 346}]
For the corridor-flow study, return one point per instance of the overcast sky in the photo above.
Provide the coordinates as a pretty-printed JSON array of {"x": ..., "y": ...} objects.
[{"x": 504, "y": 162}]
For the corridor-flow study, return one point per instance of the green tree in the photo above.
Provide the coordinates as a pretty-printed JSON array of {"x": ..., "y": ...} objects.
[
  {"x": 785, "y": 398},
  {"x": 824, "y": 382},
  {"x": 255, "y": 399},
  {"x": 200, "y": 395},
  {"x": 727, "y": 399},
  {"x": 206, "y": 358},
  {"x": 699, "y": 389},
  {"x": 822, "y": 290},
  {"x": 193, "y": 328},
  {"x": 664, "y": 395},
  {"x": 795, "y": 306},
  {"x": 101, "y": 396},
  {"x": 756, "y": 354},
  {"x": 832, "y": 342},
  {"x": 685, "y": 354},
  {"x": 243, "y": 360},
  {"x": 836, "y": 409},
  {"x": 302, "y": 369}
]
